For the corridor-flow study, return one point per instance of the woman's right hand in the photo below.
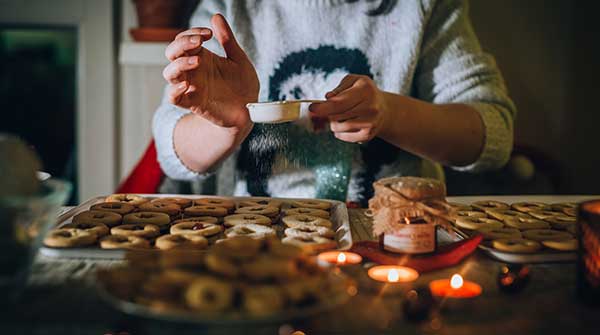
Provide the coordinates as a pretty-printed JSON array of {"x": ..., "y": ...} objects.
[{"x": 213, "y": 87}]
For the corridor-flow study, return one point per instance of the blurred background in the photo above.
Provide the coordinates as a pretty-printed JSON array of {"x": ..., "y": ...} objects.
[{"x": 78, "y": 88}]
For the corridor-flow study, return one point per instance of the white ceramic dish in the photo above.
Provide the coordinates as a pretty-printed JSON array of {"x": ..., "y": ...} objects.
[{"x": 277, "y": 111}]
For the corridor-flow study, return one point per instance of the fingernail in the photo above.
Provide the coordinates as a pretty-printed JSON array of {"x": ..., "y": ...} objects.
[
  {"x": 192, "y": 60},
  {"x": 195, "y": 39},
  {"x": 182, "y": 85}
]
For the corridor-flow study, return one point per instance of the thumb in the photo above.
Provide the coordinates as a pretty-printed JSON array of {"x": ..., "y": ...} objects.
[{"x": 224, "y": 35}]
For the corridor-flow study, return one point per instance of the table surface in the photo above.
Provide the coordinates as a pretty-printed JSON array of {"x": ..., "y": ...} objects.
[{"x": 61, "y": 298}]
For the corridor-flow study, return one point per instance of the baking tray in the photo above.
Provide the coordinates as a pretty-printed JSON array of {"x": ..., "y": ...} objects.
[
  {"x": 544, "y": 256},
  {"x": 339, "y": 218}
]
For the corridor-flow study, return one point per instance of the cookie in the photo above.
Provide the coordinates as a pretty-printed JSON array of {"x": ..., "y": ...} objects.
[
  {"x": 161, "y": 220},
  {"x": 477, "y": 223},
  {"x": 261, "y": 202},
  {"x": 266, "y": 267},
  {"x": 520, "y": 245},
  {"x": 471, "y": 214},
  {"x": 132, "y": 199},
  {"x": 310, "y": 203},
  {"x": 206, "y": 210},
  {"x": 186, "y": 242},
  {"x": 120, "y": 208},
  {"x": 308, "y": 211},
  {"x": 207, "y": 294},
  {"x": 195, "y": 228},
  {"x": 505, "y": 214},
  {"x": 309, "y": 231},
  {"x": 455, "y": 206},
  {"x": 562, "y": 221},
  {"x": 181, "y": 202},
  {"x": 525, "y": 223},
  {"x": 526, "y": 207},
  {"x": 235, "y": 219},
  {"x": 261, "y": 300},
  {"x": 563, "y": 205},
  {"x": 500, "y": 233},
  {"x": 216, "y": 202},
  {"x": 543, "y": 215},
  {"x": 546, "y": 235},
  {"x": 250, "y": 230},
  {"x": 109, "y": 219},
  {"x": 124, "y": 242},
  {"x": 484, "y": 205},
  {"x": 311, "y": 244},
  {"x": 99, "y": 229},
  {"x": 205, "y": 219},
  {"x": 300, "y": 220},
  {"x": 265, "y": 210},
  {"x": 169, "y": 208},
  {"x": 69, "y": 238},
  {"x": 144, "y": 230},
  {"x": 562, "y": 245}
]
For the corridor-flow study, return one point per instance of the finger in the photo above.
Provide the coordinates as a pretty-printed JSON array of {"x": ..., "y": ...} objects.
[
  {"x": 345, "y": 84},
  {"x": 185, "y": 45},
  {"x": 353, "y": 137},
  {"x": 175, "y": 92},
  {"x": 224, "y": 35},
  {"x": 205, "y": 32},
  {"x": 339, "y": 104},
  {"x": 352, "y": 125},
  {"x": 173, "y": 73},
  {"x": 352, "y": 113}
]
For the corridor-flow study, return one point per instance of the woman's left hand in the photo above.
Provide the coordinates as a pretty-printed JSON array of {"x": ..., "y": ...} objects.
[{"x": 355, "y": 109}]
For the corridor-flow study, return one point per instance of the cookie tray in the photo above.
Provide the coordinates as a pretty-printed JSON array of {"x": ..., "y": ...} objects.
[
  {"x": 339, "y": 218},
  {"x": 544, "y": 256}
]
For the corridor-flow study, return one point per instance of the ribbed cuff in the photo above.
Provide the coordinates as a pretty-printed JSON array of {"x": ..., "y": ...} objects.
[{"x": 498, "y": 140}]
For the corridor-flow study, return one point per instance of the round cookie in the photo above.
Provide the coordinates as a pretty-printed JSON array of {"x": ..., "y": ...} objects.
[
  {"x": 261, "y": 300},
  {"x": 562, "y": 221},
  {"x": 562, "y": 245},
  {"x": 123, "y": 242},
  {"x": 311, "y": 244},
  {"x": 570, "y": 211},
  {"x": 144, "y": 230},
  {"x": 543, "y": 215},
  {"x": 505, "y": 214},
  {"x": 204, "y": 219},
  {"x": 500, "y": 233},
  {"x": 300, "y": 220},
  {"x": 99, "y": 229},
  {"x": 181, "y": 202},
  {"x": 562, "y": 205},
  {"x": 455, "y": 206},
  {"x": 476, "y": 223},
  {"x": 69, "y": 238},
  {"x": 207, "y": 294},
  {"x": 546, "y": 235},
  {"x": 132, "y": 199},
  {"x": 266, "y": 267},
  {"x": 309, "y": 231},
  {"x": 108, "y": 218},
  {"x": 120, "y": 208},
  {"x": 169, "y": 208},
  {"x": 170, "y": 242},
  {"x": 524, "y": 223},
  {"x": 471, "y": 214},
  {"x": 311, "y": 203},
  {"x": 216, "y": 202},
  {"x": 235, "y": 219},
  {"x": 516, "y": 245},
  {"x": 526, "y": 207},
  {"x": 239, "y": 248},
  {"x": 260, "y": 210},
  {"x": 202, "y": 210},
  {"x": 261, "y": 202},
  {"x": 161, "y": 220},
  {"x": 485, "y": 205},
  {"x": 308, "y": 211},
  {"x": 195, "y": 228},
  {"x": 250, "y": 230}
]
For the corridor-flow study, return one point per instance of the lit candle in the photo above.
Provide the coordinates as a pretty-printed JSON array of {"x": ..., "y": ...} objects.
[
  {"x": 392, "y": 274},
  {"x": 455, "y": 287},
  {"x": 340, "y": 258}
]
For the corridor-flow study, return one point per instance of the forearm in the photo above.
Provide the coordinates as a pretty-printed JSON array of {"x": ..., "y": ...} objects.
[
  {"x": 200, "y": 144},
  {"x": 451, "y": 134}
]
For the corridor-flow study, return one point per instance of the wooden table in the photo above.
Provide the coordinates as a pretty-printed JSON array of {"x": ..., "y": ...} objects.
[{"x": 61, "y": 299}]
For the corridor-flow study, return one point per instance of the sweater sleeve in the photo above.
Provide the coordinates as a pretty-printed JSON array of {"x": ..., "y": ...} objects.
[
  {"x": 167, "y": 115},
  {"x": 453, "y": 69}
]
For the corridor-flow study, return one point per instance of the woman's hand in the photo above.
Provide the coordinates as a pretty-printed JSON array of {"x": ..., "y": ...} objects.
[
  {"x": 213, "y": 87},
  {"x": 355, "y": 109}
]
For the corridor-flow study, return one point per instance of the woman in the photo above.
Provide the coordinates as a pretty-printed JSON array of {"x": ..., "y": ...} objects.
[{"x": 403, "y": 83}]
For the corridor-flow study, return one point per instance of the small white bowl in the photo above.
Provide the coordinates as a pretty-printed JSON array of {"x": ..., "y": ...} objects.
[{"x": 276, "y": 111}]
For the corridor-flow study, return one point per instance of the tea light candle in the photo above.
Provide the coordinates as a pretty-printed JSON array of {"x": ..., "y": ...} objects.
[
  {"x": 392, "y": 274},
  {"x": 340, "y": 258},
  {"x": 455, "y": 287}
]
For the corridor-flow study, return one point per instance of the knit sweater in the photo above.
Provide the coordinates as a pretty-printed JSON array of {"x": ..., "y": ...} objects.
[{"x": 303, "y": 48}]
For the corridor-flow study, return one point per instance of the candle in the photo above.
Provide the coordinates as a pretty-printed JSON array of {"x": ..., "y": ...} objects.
[
  {"x": 340, "y": 258},
  {"x": 392, "y": 274},
  {"x": 456, "y": 287}
]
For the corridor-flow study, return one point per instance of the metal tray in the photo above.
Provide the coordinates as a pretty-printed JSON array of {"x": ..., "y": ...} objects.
[
  {"x": 543, "y": 256},
  {"x": 339, "y": 218}
]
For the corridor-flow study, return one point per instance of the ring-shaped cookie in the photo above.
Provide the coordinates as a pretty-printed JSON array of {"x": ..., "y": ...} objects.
[
  {"x": 234, "y": 219},
  {"x": 299, "y": 220},
  {"x": 475, "y": 223},
  {"x": 216, "y": 202},
  {"x": 250, "y": 230},
  {"x": 203, "y": 210},
  {"x": 195, "y": 228},
  {"x": 144, "y": 230},
  {"x": 123, "y": 242},
  {"x": 260, "y": 210},
  {"x": 311, "y": 244},
  {"x": 179, "y": 241},
  {"x": 562, "y": 245},
  {"x": 500, "y": 233},
  {"x": 208, "y": 294},
  {"x": 181, "y": 202},
  {"x": 169, "y": 208},
  {"x": 69, "y": 238},
  {"x": 489, "y": 204},
  {"x": 309, "y": 231},
  {"x": 311, "y": 203},
  {"x": 527, "y": 207},
  {"x": 132, "y": 199},
  {"x": 110, "y": 219},
  {"x": 120, "y": 208},
  {"x": 546, "y": 235},
  {"x": 205, "y": 219},
  {"x": 455, "y": 206},
  {"x": 543, "y": 215},
  {"x": 262, "y": 300},
  {"x": 519, "y": 245},
  {"x": 308, "y": 211},
  {"x": 562, "y": 221},
  {"x": 471, "y": 214},
  {"x": 505, "y": 214},
  {"x": 526, "y": 223},
  {"x": 100, "y": 229},
  {"x": 260, "y": 202},
  {"x": 161, "y": 220}
]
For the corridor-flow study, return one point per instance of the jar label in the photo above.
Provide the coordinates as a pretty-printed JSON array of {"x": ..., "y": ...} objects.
[{"x": 411, "y": 239}]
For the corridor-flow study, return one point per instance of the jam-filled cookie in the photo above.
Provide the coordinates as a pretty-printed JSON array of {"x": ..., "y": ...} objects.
[
  {"x": 235, "y": 219},
  {"x": 132, "y": 199},
  {"x": 195, "y": 228}
]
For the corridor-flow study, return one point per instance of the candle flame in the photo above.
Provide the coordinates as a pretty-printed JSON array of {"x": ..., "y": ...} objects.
[
  {"x": 407, "y": 220},
  {"x": 456, "y": 281},
  {"x": 341, "y": 258},
  {"x": 393, "y": 276}
]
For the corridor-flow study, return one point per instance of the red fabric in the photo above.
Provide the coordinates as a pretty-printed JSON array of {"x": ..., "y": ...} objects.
[
  {"x": 445, "y": 256},
  {"x": 146, "y": 176}
]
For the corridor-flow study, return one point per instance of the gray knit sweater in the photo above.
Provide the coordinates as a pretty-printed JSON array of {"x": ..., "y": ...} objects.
[{"x": 303, "y": 48}]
